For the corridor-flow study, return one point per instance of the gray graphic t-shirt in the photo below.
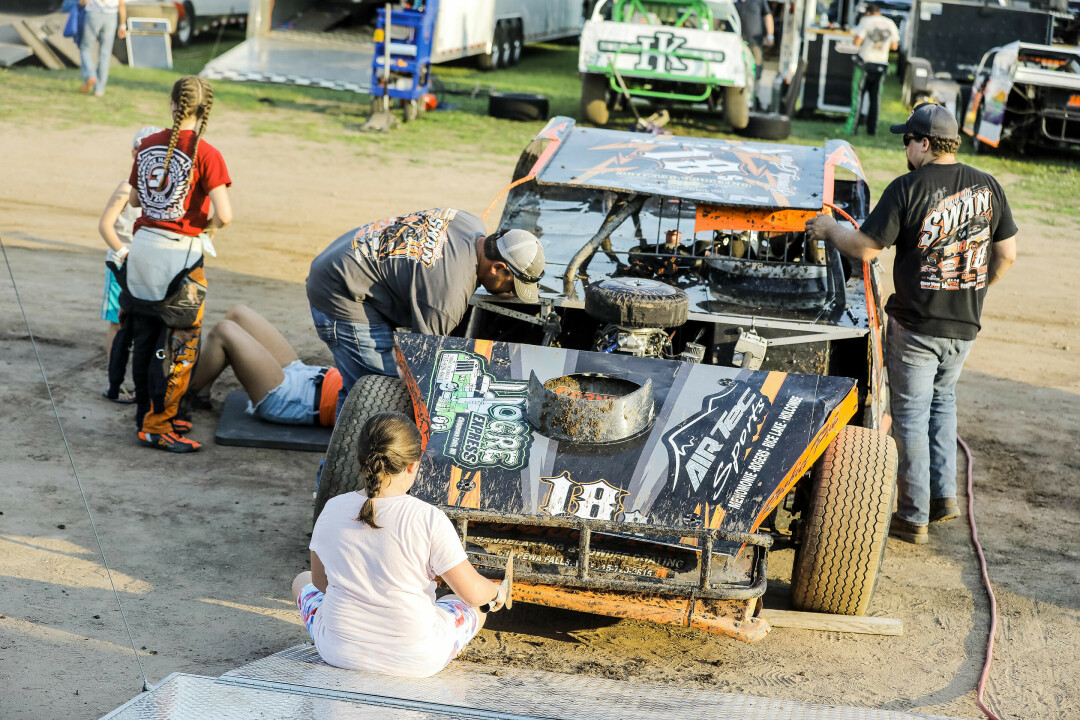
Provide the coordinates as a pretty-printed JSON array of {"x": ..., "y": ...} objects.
[{"x": 416, "y": 271}]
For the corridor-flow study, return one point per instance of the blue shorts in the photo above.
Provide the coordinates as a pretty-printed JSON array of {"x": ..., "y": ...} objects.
[
  {"x": 110, "y": 304},
  {"x": 466, "y": 618},
  {"x": 293, "y": 401}
]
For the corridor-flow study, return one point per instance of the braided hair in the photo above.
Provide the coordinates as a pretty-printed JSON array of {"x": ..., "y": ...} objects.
[
  {"x": 193, "y": 97},
  {"x": 388, "y": 443}
]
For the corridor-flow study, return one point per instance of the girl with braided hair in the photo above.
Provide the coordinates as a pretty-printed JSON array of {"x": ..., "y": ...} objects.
[
  {"x": 369, "y": 600},
  {"x": 177, "y": 179}
]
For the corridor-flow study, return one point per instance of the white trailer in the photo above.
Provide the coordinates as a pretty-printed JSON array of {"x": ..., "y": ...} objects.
[{"x": 285, "y": 43}]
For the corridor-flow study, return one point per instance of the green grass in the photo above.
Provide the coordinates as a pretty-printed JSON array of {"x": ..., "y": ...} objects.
[{"x": 1043, "y": 184}]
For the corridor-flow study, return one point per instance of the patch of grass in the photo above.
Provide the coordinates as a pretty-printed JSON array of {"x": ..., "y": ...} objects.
[{"x": 1042, "y": 183}]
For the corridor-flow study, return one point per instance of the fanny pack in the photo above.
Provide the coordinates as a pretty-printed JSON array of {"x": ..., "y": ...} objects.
[{"x": 182, "y": 302}]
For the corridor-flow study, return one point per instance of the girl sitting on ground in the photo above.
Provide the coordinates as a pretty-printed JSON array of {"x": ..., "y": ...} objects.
[
  {"x": 369, "y": 600},
  {"x": 281, "y": 388}
]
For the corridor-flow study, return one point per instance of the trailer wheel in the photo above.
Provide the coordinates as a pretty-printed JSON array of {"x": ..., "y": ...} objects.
[
  {"x": 517, "y": 42},
  {"x": 846, "y": 526},
  {"x": 594, "y": 91},
  {"x": 767, "y": 126},
  {"x": 371, "y": 394},
  {"x": 637, "y": 302},
  {"x": 737, "y": 107},
  {"x": 490, "y": 60},
  {"x": 185, "y": 26}
]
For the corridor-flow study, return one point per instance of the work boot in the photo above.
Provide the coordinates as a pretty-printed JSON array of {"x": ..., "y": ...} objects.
[
  {"x": 170, "y": 442},
  {"x": 943, "y": 509},
  {"x": 901, "y": 529}
]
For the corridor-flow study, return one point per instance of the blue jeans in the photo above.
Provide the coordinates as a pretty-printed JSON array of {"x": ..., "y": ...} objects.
[
  {"x": 923, "y": 371},
  {"x": 100, "y": 28},
  {"x": 359, "y": 349}
]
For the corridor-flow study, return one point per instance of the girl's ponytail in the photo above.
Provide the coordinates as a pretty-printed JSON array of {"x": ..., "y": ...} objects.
[{"x": 388, "y": 443}]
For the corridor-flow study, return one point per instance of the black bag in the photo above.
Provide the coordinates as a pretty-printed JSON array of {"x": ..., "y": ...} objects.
[{"x": 181, "y": 304}]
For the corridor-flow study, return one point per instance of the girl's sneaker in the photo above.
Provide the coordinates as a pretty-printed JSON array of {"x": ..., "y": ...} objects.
[{"x": 170, "y": 442}]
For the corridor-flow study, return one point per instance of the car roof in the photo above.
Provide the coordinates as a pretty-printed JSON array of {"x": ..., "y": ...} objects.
[{"x": 708, "y": 170}]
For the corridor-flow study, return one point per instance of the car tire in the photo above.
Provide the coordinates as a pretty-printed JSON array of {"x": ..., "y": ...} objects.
[
  {"x": 371, "y": 394},
  {"x": 736, "y": 107},
  {"x": 594, "y": 92},
  {"x": 844, "y": 531},
  {"x": 518, "y": 106},
  {"x": 767, "y": 126},
  {"x": 637, "y": 303},
  {"x": 185, "y": 27}
]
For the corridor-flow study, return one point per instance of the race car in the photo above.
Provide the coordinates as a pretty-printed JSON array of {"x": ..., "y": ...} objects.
[{"x": 698, "y": 383}]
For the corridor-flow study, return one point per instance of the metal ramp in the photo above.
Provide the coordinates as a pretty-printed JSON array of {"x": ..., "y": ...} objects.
[
  {"x": 295, "y": 684},
  {"x": 326, "y": 60}
]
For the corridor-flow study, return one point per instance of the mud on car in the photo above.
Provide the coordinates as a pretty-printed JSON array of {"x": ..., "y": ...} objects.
[{"x": 698, "y": 383}]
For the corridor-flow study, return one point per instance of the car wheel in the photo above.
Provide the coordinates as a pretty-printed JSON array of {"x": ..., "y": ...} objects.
[
  {"x": 185, "y": 26},
  {"x": 737, "y": 106},
  {"x": 767, "y": 126},
  {"x": 594, "y": 91},
  {"x": 844, "y": 531},
  {"x": 371, "y": 394},
  {"x": 637, "y": 302}
]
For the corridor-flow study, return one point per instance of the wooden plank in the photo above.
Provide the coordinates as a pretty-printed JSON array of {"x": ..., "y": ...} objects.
[
  {"x": 11, "y": 53},
  {"x": 834, "y": 623},
  {"x": 41, "y": 50},
  {"x": 66, "y": 47}
]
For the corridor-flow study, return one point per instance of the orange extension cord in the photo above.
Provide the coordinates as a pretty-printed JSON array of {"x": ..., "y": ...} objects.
[{"x": 978, "y": 550}]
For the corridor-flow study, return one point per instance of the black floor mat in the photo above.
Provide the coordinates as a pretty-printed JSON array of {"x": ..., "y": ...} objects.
[{"x": 236, "y": 427}]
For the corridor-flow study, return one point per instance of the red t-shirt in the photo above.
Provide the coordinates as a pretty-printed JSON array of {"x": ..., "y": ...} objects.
[{"x": 182, "y": 203}]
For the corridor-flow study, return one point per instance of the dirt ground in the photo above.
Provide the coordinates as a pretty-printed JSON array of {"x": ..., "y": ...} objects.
[{"x": 202, "y": 548}]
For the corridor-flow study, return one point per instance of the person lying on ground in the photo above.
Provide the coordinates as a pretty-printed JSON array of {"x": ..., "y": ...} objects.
[
  {"x": 280, "y": 388},
  {"x": 369, "y": 600},
  {"x": 116, "y": 226},
  {"x": 417, "y": 271}
]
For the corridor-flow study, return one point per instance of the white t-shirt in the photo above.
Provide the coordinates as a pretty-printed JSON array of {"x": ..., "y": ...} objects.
[
  {"x": 878, "y": 33},
  {"x": 379, "y": 613}
]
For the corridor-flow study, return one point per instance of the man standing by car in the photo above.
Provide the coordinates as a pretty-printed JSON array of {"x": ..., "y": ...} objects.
[
  {"x": 875, "y": 36},
  {"x": 954, "y": 235},
  {"x": 416, "y": 271},
  {"x": 757, "y": 28}
]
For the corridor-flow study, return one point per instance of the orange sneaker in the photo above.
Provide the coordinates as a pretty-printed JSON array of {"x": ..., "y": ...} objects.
[
  {"x": 88, "y": 85},
  {"x": 170, "y": 442}
]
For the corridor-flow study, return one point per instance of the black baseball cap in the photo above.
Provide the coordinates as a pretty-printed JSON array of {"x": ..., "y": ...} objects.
[{"x": 929, "y": 120}]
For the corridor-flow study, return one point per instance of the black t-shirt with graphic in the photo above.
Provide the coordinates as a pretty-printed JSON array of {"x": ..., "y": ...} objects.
[{"x": 941, "y": 219}]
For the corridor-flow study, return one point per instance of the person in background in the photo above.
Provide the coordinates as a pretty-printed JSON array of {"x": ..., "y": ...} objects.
[
  {"x": 115, "y": 226},
  {"x": 875, "y": 36},
  {"x": 281, "y": 389},
  {"x": 757, "y": 28},
  {"x": 105, "y": 20},
  {"x": 954, "y": 237}
]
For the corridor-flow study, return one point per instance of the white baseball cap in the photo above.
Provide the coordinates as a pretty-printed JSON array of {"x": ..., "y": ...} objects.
[{"x": 524, "y": 256}]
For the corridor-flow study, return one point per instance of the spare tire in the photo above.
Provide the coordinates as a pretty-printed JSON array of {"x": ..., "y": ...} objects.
[
  {"x": 637, "y": 303},
  {"x": 767, "y": 126},
  {"x": 370, "y": 395},
  {"x": 518, "y": 106}
]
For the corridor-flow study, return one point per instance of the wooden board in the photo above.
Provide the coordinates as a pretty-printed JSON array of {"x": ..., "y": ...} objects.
[
  {"x": 65, "y": 47},
  {"x": 41, "y": 50},
  {"x": 834, "y": 623}
]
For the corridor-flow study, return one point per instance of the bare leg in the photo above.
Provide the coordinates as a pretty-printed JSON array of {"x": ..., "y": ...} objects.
[
  {"x": 109, "y": 335},
  {"x": 265, "y": 333},
  {"x": 299, "y": 582},
  {"x": 229, "y": 344}
]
